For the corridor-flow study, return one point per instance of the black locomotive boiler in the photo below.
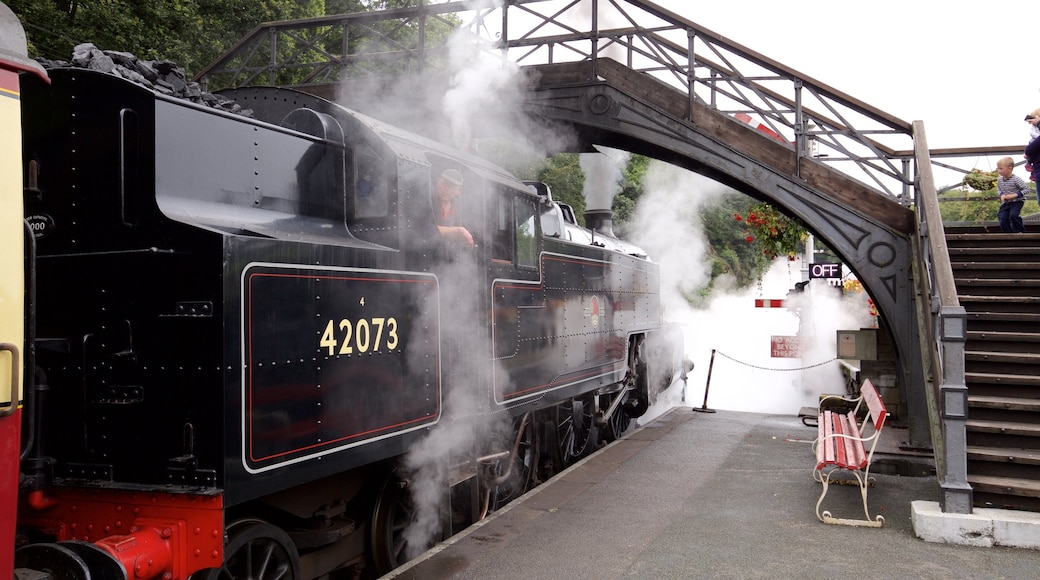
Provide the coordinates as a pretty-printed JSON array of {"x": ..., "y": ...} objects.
[{"x": 241, "y": 324}]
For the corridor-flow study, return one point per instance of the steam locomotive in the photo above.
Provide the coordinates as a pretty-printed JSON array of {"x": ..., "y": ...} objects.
[{"x": 247, "y": 340}]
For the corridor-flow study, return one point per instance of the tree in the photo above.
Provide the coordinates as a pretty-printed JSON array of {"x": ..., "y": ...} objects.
[
  {"x": 563, "y": 174},
  {"x": 191, "y": 33},
  {"x": 730, "y": 252}
]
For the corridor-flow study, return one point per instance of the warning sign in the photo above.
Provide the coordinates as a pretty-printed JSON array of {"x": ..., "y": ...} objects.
[{"x": 785, "y": 347}]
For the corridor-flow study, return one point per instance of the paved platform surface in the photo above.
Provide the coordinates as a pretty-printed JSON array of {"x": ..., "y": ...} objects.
[{"x": 697, "y": 495}]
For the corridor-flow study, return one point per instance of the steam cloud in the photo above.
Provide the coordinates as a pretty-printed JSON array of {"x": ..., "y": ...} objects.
[
  {"x": 604, "y": 172},
  {"x": 475, "y": 97},
  {"x": 745, "y": 377}
]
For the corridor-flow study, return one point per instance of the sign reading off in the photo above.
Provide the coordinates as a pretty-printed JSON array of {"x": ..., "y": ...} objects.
[{"x": 825, "y": 270}]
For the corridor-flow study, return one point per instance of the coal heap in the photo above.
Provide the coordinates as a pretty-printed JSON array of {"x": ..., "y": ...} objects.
[{"x": 161, "y": 76}]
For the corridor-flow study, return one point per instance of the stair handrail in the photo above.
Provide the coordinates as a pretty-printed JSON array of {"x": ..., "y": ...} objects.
[{"x": 945, "y": 322}]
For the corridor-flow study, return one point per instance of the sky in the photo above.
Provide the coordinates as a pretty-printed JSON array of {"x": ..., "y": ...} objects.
[{"x": 964, "y": 69}]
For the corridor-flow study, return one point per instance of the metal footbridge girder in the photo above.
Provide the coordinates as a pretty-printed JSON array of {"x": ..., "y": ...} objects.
[{"x": 870, "y": 231}]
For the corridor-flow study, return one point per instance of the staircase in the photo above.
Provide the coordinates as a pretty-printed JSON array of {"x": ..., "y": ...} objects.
[{"x": 998, "y": 283}]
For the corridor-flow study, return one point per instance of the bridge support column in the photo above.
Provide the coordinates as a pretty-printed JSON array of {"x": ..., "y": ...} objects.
[{"x": 956, "y": 493}]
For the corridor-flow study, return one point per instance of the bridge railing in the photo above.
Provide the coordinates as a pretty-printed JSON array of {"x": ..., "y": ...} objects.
[
  {"x": 946, "y": 332},
  {"x": 817, "y": 121}
]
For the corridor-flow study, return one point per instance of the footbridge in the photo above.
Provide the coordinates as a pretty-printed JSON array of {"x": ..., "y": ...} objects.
[{"x": 631, "y": 75}]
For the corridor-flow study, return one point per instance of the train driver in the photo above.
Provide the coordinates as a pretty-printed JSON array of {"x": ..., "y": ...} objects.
[{"x": 449, "y": 187}]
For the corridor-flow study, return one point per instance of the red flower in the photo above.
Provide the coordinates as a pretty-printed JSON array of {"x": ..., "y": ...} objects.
[
  {"x": 737, "y": 217},
  {"x": 749, "y": 239}
]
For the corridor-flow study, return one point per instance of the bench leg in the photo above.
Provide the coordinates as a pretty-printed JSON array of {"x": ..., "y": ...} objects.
[{"x": 826, "y": 517}]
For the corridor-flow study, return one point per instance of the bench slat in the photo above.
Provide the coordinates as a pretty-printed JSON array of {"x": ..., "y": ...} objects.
[
  {"x": 827, "y": 443},
  {"x": 857, "y": 455},
  {"x": 840, "y": 428},
  {"x": 822, "y": 428},
  {"x": 873, "y": 400}
]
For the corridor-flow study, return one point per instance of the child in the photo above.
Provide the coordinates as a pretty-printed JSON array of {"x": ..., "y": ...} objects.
[{"x": 1012, "y": 190}]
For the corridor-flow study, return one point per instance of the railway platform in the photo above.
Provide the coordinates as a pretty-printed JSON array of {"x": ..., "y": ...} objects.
[{"x": 721, "y": 495}]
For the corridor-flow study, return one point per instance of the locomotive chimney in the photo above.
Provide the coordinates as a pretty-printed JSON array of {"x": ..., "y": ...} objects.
[{"x": 601, "y": 221}]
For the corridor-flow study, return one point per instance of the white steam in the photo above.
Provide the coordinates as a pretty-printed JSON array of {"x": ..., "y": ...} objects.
[
  {"x": 471, "y": 94},
  {"x": 604, "y": 172},
  {"x": 745, "y": 377},
  {"x": 483, "y": 95},
  {"x": 666, "y": 225}
]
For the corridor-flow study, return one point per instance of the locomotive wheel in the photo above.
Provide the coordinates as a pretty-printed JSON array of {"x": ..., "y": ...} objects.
[
  {"x": 620, "y": 420},
  {"x": 523, "y": 463},
  {"x": 392, "y": 514},
  {"x": 257, "y": 550},
  {"x": 575, "y": 428}
]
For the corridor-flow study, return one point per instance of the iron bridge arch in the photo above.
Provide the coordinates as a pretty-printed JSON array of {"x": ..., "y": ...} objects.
[{"x": 876, "y": 250}]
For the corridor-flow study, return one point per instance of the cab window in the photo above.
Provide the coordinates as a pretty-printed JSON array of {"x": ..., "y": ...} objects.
[
  {"x": 371, "y": 190},
  {"x": 526, "y": 232},
  {"x": 515, "y": 233}
]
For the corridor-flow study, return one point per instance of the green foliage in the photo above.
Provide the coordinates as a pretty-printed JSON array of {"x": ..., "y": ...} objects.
[
  {"x": 966, "y": 204},
  {"x": 729, "y": 251},
  {"x": 624, "y": 204},
  {"x": 191, "y": 33},
  {"x": 563, "y": 174}
]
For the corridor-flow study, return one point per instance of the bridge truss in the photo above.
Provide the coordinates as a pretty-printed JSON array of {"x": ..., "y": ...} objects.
[{"x": 815, "y": 119}]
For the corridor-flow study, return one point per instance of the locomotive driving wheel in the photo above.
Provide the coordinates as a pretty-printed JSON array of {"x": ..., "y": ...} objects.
[
  {"x": 619, "y": 420},
  {"x": 391, "y": 516},
  {"x": 257, "y": 550},
  {"x": 575, "y": 428}
]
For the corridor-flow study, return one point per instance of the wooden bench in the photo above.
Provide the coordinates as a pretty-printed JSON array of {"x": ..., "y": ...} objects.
[{"x": 842, "y": 449}]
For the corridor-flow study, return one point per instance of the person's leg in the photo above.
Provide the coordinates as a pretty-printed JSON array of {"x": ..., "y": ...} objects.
[
  {"x": 1015, "y": 217},
  {"x": 1002, "y": 217}
]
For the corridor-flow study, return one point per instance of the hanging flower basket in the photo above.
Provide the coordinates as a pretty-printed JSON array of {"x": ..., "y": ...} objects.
[{"x": 980, "y": 180}]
